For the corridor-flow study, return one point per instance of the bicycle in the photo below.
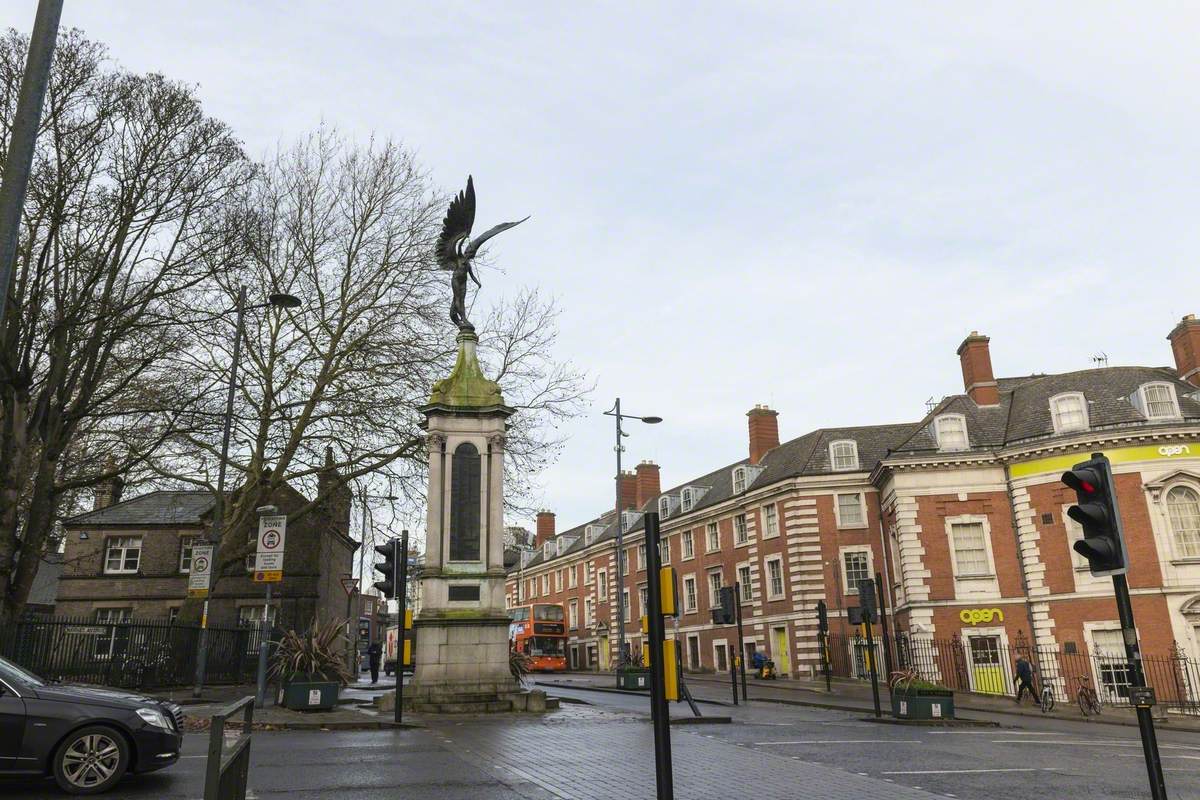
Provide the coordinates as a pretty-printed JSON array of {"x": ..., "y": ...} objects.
[
  {"x": 1047, "y": 703},
  {"x": 1085, "y": 696}
]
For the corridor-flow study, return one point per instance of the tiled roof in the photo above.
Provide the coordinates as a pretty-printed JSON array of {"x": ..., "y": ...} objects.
[{"x": 153, "y": 508}]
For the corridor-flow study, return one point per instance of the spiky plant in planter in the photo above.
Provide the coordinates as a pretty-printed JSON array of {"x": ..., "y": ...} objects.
[
  {"x": 518, "y": 664},
  {"x": 316, "y": 656}
]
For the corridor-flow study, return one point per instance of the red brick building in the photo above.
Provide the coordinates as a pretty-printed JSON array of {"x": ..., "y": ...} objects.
[{"x": 961, "y": 513}]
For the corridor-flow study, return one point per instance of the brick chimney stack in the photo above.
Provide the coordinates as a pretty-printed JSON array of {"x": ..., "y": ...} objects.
[
  {"x": 628, "y": 489},
  {"x": 1185, "y": 343},
  {"x": 648, "y": 483},
  {"x": 978, "y": 379},
  {"x": 545, "y": 528},
  {"x": 764, "y": 431}
]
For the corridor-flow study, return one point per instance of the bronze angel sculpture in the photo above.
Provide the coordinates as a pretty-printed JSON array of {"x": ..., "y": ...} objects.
[{"x": 455, "y": 254}]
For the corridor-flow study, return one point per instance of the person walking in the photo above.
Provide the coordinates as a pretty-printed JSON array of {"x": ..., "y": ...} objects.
[
  {"x": 1025, "y": 677},
  {"x": 374, "y": 653}
]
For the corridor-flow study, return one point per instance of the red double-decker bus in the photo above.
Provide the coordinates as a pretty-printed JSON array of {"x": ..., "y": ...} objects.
[{"x": 539, "y": 631}]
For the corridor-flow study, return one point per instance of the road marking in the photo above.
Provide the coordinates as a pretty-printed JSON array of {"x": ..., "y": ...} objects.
[
  {"x": 958, "y": 771},
  {"x": 994, "y": 733},
  {"x": 843, "y": 741},
  {"x": 1083, "y": 742}
]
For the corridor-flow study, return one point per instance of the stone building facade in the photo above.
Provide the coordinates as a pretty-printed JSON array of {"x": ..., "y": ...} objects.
[
  {"x": 131, "y": 559},
  {"x": 960, "y": 513}
]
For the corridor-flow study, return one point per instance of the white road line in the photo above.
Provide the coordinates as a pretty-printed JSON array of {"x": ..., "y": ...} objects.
[
  {"x": 1082, "y": 742},
  {"x": 843, "y": 741},
  {"x": 994, "y": 733},
  {"x": 958, "y": 771}
]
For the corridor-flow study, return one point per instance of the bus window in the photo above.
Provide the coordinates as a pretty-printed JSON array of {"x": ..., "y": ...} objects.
[
  {"x": 547, "y": 613},
  {"x": 519, "y": 614}
]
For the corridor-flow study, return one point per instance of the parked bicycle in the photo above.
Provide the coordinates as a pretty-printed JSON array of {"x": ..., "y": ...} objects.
[
  {"x": 1047, "y": 700},
  {"x": 1085, "y": 696}
]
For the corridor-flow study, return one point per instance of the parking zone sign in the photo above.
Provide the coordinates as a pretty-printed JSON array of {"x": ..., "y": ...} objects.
[
  {"x": 272, "y": 531},
  {"x": 200, "y": 574}
]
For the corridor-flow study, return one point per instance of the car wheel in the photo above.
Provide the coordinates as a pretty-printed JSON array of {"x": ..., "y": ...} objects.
[{"x": 91, "y": 760}]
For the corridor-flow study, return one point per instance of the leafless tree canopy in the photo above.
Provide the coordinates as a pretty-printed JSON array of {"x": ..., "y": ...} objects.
[{"x": 144, "y": 220}]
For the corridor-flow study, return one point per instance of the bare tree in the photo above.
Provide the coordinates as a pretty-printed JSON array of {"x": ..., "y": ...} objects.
[
  {"x": 131, "y": 209},
  {"x": 336, "y": 384}
]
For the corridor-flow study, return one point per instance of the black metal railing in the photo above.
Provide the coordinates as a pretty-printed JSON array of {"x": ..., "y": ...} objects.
[
  {"x": 228, "y": 767},
  {"x": 987, "y": 665},
  {"x": 134, "y": 654}
]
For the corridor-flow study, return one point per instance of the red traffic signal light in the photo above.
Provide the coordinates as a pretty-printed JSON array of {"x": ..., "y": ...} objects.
[{"x": 1096, "y": 512}]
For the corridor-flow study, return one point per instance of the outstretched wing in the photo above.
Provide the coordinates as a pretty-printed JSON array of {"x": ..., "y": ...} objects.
[
  {"x": 478, "y": 241},
  {"x": 460, "y": 216}
]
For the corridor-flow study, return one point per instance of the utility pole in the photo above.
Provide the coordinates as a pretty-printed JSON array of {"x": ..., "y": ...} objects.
[
  {"x": 27, "y": 119},
  {"x": 659, "y": 711},
  {"x": 741, "y": 651}
]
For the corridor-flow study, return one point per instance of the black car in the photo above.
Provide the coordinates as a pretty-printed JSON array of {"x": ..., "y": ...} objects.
[{"x": 86, "y": 737}]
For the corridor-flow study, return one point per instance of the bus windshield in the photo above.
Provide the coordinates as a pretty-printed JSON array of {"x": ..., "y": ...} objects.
[
  {"x": 548, "y": 613},
  {"x": 519, "y": 614},
  {"x": 546, "y": 646}
]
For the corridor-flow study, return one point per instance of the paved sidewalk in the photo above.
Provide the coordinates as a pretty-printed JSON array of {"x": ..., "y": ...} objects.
[{"x": 856, "y": 696}]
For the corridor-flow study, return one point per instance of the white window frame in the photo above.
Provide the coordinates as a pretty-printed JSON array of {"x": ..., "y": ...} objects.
[
  {"x": 1055, "y": 414},
  {"x": 852, "y": 588},
  {"x": 767, "y": 562},
  {"x": 739, "y": 480},
  {"x": 971, "y": 519},
  {"x": 643, "y": 600},
  {"x": 125, "y": 544},
  {"x": 572, "y": 577},
  {"x": 770, "y": 521},
  {"x": 589, "y": 612},
  {"x": 848, "y": 462},
  {"x": 558, "y": 580},
  {"x": 741, "y": 530},
  {"x": 691, "y": 599},
  {"x": 664, "y": 551},
  {"x": 186, "y": 543},
  {"x": 709, "y": 530},
  {"x": 545, "y": 584},
  {"x": 747, "y": 586},
  {"x": 549, "y": 548},
  {"x": 664, "y": 507},
  {"x": 641, "y": 556},
  {"x": 1145, "y": 401},
  {"x": 714, "y": 595},
  {"x": 937, "y": 432},
  {"x": 687, "y": 546},
  {"x": 861, "y": 522},
  {"x": 601, "y": 584},
  {"x": 687, "y": 499},
  {"x": 1177, "y": 545},
  {"x": 723, "y": 644},
  {"x": 573, "y": 614},
  {"x": 625, "y": 607}
]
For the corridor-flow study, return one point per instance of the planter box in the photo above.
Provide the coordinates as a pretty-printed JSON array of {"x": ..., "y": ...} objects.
[
  {"x": 633, "y": 680},
  {"x": 925, "y": 705},
  {"x": 309, "y": 696}
]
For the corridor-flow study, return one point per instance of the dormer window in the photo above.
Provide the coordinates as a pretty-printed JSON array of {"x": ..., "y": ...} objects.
[
  {"x": 1069, "y": 412},
  {"x": 843, "y": 455},
  {"x": 664, "y": 507},
  {"x": 951, "y": 432},
  {"x": 1158, "y": 401},
  {"x": 687, "y": 499},
  {"x": 628, "y": 518},
  {"x": 548, "y": 550},
  {"x": 591, "y": 533},
  {"x": 739, "y": 480}
]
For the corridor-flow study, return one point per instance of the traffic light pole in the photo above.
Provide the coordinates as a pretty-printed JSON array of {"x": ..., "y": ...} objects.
[
  {"x": 741, "y": 648},
  {"x": 401, "y": 584},
  {"x": 871, "y": 659},
  {"x": 1158, "y": 787},
  {"x": 883, "y": 626},
  {"x": 659, "y": 713}
]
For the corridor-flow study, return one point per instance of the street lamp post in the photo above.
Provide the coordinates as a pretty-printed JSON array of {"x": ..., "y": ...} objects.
[
  {"x": 615, "y": 412},
  {"x": 218, "y": 525}
]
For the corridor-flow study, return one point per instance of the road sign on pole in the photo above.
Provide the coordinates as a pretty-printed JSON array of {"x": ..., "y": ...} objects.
[
  {"x": 272, "y": 531},
  {"x": 200, "y": 575}
]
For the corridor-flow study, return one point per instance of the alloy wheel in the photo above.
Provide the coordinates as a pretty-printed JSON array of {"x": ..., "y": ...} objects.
[{"x": 91, "y": 760}]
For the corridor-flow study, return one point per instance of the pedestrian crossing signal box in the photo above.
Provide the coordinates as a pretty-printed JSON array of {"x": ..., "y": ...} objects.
[
  {"x": 407, "y": 654},
  {"x": 668, "y": 592},
  {"x": 671, "y": 673}
]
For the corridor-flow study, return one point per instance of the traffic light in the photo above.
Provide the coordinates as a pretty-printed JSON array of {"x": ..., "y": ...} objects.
[
  {"x": 1102, "y": 543},
  {"x": 866, "y": 598},
  {"x": 387, "y": 586},
  {"x": 726, "y": 614},
  {"x": 822, "y": 617}
]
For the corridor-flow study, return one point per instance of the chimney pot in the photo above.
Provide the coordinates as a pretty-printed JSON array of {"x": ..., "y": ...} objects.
[
  {"x": 764, "y": 431},
  {"x": 978, "y": 380},
  {"x": 1185, "y": 344}
]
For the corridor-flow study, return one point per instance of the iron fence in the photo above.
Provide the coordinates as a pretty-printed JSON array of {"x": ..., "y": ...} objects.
[
  {"x": 987, "y": 665},
  {"x": 134, "y": 654}
]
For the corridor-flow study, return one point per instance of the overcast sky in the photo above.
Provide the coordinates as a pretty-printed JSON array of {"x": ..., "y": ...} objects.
[{"x": 801, "y": 204}]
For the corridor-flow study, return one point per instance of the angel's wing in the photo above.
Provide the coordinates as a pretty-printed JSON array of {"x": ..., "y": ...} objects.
[
  {"x": 460, "y": 216},
  {"x": 478, "y": 241}
]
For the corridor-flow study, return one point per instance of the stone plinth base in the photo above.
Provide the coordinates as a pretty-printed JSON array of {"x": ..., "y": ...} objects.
[{"x": 461, "y": 660}]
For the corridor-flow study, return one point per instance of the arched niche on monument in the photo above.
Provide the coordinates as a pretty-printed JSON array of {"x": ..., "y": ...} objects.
[{"x": 465, "y": 492}]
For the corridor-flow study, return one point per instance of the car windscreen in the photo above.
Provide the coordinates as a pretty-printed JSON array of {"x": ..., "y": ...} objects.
[{"x": 11, "y": 673}]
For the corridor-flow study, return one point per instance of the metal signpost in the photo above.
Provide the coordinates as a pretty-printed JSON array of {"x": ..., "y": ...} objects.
[
  {"x": 823, "y": 641},
  {"x": 883, "y": 626},
  {"x": 403, "y": 656},
  {"x": 866, "y": 599},
  {"x": 268, "y": 569},
  {"x": 741, "y": 655},
  {"x": 659, "y": 713}
]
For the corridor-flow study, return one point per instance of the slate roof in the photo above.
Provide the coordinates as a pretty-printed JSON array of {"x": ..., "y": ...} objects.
[
  {"x": 1024, "y": 410},
  {"x": 153, "y": 508}
]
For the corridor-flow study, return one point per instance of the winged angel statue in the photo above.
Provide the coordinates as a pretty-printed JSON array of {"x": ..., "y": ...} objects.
[{"x": 456, "y": 254}]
